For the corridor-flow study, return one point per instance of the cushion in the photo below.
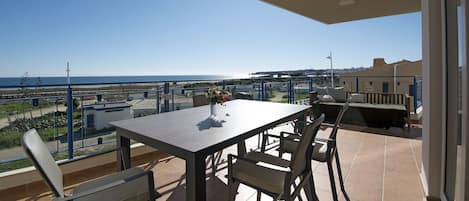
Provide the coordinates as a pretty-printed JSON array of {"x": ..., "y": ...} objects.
[
  {"x": 137, "y": 189},
  {"x": 268, "y": 173}
]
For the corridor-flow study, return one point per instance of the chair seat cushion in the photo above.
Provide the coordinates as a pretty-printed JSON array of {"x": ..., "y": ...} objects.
[
  {"x": 268, "y": 173},
  {"x": 319, "y": 151},
  {"x": 289, "y": 146},
  {"x": 136, "y": 189}
]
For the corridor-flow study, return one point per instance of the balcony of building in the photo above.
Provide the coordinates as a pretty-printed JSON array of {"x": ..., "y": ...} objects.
[{"x": 376, "y": 166}]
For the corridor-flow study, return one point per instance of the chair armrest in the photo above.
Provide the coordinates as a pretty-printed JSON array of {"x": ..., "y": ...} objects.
[
  {"x": 324, "y": 139},
  {"x": 270, "y": 135},
  {"x": 330, "y": 142},
  {"x": 106, "y": 187},
  {"x": 327, "y": 125},
  {"x": 253, "y": 162},
  {"x": 231, "y": 156},
  {"x": 289, "y": 133}
]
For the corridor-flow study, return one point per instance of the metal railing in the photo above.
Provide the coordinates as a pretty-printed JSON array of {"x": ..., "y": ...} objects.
[{"x": 62, "y": 120}]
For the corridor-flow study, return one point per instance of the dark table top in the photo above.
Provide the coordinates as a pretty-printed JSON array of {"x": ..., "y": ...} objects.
[{"x": 190, "y": 131}]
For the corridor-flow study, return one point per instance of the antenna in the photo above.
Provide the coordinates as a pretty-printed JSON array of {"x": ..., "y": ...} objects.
[
  {"x": 68, "y": 73},
  {"x": 332, "y": 69}
]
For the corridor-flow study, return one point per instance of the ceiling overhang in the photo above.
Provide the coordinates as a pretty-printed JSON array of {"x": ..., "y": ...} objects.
[{"x": 336, "y": 11}]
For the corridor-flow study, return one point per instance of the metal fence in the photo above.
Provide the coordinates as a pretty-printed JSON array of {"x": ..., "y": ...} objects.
[{"x": 60, "y": 114}]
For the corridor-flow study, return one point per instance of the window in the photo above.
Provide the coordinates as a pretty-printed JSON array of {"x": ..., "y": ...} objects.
[{"x": 385, "y": 87}]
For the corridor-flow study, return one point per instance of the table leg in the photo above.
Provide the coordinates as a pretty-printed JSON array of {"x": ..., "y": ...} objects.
[
  {"x": 123, "y": 155},
  {"x": 195, "y": 178}
]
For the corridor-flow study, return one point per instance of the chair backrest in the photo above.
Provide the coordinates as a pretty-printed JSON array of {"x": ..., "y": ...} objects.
[
  {"x": 302, "y": 155},
  {"x": 342, "y": 111},
  {"x": 42, "y": 159},
  {"x": 199, "y": 100}
]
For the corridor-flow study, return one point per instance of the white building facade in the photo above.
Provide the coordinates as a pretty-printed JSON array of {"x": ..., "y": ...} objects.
[{"x": 98, "y": 116}]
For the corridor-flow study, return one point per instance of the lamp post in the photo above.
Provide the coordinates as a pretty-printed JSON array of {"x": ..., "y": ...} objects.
[{"x": 332, "y": 69}]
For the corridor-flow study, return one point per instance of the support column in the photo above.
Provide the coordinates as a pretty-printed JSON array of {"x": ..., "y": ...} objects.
[
  {"x": 432, "y": 62},
  {"x": 465, "y": 102},
  {"x": 70, "y": 121}
]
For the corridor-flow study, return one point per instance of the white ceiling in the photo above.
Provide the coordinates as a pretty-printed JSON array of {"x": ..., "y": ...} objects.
[{"x": 336, "y": 11}]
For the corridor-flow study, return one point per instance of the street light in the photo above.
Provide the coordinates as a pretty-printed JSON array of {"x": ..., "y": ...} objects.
[{"x": 332, "y": 70}]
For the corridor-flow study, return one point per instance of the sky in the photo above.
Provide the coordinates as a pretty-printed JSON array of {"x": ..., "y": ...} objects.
[{"x": 183, "y": 37}]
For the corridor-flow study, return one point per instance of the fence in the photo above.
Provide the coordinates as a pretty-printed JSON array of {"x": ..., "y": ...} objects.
[
  {"x": 61, "y": 113},
  {"x": 385, "y": 89},
  {"x": 381, "y": 98}
]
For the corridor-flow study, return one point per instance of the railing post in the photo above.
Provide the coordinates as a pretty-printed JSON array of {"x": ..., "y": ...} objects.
[
  {"x": 415, "y": 95},
  {"x": 172, "y": 99},
  {"x": 83, "y": 131},
  {"x": 166, "y": 98},
  {"x": 291, "y": 92},
  {"x": 259, "y": 91},
  {"x": 158, "y": 104},
  {"x": 70, "y": 121},
  {"x": 262, "y": 90},
  {"x": 310, "y": 85},
  {"x": 356, "y": 84}
]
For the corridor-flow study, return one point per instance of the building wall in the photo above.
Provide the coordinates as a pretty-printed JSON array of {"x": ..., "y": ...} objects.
[
  {"x": 372, "y": 80},
  {"x": 103, "y": 117}
]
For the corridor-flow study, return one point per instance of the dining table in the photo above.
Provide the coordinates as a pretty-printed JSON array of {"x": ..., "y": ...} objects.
[{"x": 191, "y": 134}]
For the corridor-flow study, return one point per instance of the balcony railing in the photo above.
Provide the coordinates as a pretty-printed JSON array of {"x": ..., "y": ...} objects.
[{"x": 57, "y": 111}]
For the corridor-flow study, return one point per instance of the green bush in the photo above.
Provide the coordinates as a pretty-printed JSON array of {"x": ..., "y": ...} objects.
[
  {"x": 47, "y": 126},
  {"x": 20, "y": 107}
]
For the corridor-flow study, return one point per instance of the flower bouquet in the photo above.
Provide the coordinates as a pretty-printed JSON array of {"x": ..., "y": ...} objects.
[{"x": 216, "y": 96}]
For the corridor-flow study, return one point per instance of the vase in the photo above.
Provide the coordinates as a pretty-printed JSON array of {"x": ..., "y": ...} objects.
[{"x": 213, "y": 110}]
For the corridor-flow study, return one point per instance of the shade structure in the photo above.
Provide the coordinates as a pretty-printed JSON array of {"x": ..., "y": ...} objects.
[{"x": 336, "y": 11}]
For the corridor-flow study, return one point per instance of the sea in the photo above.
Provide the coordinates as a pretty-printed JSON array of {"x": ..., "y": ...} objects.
[{"x": 15, "y": 82}]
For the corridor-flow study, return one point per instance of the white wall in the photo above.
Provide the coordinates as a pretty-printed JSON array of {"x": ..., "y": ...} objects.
[{"x": 102, "y": 118}]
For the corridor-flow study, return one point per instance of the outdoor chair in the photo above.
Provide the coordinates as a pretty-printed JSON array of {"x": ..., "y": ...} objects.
[
  {"x": 275, "y": 176},
  {"x": 131, "y": 184},
  {"x": 324, "y": 150}
]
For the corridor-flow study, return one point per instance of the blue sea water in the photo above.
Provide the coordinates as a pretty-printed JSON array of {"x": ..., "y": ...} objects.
[{"x": 93, "y": 80}]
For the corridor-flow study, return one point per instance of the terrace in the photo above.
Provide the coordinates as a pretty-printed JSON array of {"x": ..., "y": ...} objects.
[
  {"x": 376, "y": 167},
  {"x": 411, "y": 163},
  {"x": 366, "y": 152}
]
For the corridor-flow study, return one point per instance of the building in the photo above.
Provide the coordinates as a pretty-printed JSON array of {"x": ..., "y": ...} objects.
[
  {"x": 444, "y": 168},
  {"x": 397, "y": 77},
  {"x": 99, "y": 115}
]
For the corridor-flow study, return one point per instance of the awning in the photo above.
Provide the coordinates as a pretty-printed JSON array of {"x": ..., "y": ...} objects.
[{"x": 336, "y": 11}]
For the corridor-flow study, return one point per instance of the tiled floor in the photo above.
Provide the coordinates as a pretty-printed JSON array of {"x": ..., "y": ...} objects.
[{"x": 375, "y": 167}]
